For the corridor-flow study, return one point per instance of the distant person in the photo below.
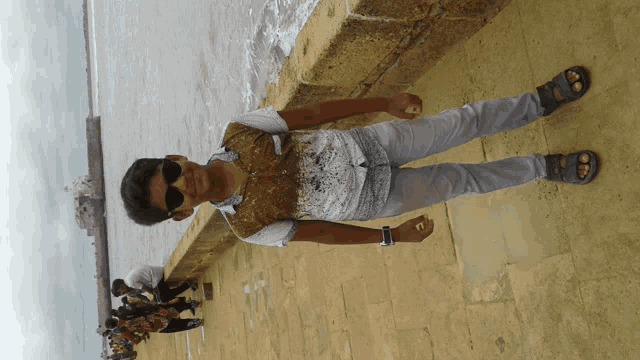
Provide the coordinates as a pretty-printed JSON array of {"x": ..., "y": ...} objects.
[
  {"x": 149, "y": 279},
  {"x": 162, "y": 320},
  {"x": 180, "y": 304},
  {"x": 121, "y": 346},
  {"x": 137, "y": 299},
  {"x": 270, "y": 171},
  {"x": 124, "y": 355},
  {"x": 120, "y": 333}
]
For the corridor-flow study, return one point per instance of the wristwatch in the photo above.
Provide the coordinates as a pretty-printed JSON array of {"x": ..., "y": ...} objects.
[{"x": 387, "y": 239}]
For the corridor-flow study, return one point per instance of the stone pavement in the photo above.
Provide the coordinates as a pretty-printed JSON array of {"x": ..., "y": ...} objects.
[{"x": 541, "y": 271}]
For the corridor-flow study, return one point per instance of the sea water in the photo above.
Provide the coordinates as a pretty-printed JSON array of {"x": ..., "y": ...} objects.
[{"x": 167, "y": 75}]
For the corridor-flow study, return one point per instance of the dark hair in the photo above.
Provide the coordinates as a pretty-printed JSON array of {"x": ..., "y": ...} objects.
[
  {"x": 111, "y": 323},
  {"x": 135, "y": 193},
  {"x": 125, "y": 300},
  {"x": 115, "y": 287}
]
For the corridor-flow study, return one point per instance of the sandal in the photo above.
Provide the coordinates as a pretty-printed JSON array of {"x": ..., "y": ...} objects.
[
  {"x": 569, "y": 174},
  {"x": 561, "y": 83}
]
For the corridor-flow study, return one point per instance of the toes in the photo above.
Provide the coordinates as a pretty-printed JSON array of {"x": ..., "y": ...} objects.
[
  {"x": 573, "y": 76},
  {"x": 584, "y": 158},
  {"x": 583, "y": 170},
  {"x": 577, "y": 86}
]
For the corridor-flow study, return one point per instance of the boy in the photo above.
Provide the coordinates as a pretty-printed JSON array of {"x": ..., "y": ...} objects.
[{"x": 271, "y": 171}]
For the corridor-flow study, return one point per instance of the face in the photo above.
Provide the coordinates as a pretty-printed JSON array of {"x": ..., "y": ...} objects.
[
  {"x": 193, "y": 183},
  {"x": 123, "y": 289}
]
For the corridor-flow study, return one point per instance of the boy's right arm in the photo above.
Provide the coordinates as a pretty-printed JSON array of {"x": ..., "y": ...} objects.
[
  {"x": 331, "y": 233},
  {"x": 404, "y": 106}
]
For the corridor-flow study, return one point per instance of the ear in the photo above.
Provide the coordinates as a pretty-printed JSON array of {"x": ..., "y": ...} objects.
[
  {"x": 177, "y": 157},
  {"x": 183, "y": 214}
]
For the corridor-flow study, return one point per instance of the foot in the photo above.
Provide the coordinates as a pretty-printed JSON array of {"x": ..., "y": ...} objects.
[
  {"x": 576, "y": 85},
  {"x": 568, "y": 86},
  {"x": 583, "y": 169}
]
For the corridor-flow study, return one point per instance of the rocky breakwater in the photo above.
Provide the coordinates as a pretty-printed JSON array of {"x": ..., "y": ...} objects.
[{"x": 90, "y": 214}]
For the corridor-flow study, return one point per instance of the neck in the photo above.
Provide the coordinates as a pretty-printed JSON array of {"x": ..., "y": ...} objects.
[{"x": 225, "y": 179}]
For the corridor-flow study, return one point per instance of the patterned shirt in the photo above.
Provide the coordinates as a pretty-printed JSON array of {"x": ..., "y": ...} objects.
[
  {"x": 157, "y": 321},
  {"x": 137, "y": 299},
  {"x": 329, "y": 175}
]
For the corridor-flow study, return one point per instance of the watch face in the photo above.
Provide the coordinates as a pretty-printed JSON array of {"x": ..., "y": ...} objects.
[{"x": 386, "y": 236}]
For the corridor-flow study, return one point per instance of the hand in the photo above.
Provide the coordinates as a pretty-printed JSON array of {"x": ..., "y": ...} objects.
[
  {"x": 405, "y": 106},
  {"x": 414, "y": 230}
]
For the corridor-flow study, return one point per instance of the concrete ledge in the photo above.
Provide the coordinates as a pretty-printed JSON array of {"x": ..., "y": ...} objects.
[
  {"x": 347, "y": 49},
  {"x": 207, "y": 236}
]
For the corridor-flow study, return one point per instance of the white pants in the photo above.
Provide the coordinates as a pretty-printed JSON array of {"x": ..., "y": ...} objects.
[{"x": 408, "y": 140}]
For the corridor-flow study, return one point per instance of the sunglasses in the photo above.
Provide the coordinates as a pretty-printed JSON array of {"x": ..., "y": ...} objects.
[{"x": 171, "y": 171}]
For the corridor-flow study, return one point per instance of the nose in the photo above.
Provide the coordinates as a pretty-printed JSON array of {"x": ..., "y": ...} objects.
[{"x": 180, "y": 183}]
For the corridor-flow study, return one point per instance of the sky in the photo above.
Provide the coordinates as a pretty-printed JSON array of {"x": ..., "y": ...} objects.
[{"x": 49, "y": 261}]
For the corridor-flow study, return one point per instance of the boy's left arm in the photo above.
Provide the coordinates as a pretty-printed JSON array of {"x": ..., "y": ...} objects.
[{"x": 405, "y": 106}]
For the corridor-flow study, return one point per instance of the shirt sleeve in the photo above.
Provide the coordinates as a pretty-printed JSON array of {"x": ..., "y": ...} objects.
[
  {"x": 265, "y": 119},
  {"x": 277, "y": 234},
  {"x": 133, "y": 279}
]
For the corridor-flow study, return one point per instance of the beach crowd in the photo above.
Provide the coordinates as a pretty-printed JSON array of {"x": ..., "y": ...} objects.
[{"x": 140, "y": 315}]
